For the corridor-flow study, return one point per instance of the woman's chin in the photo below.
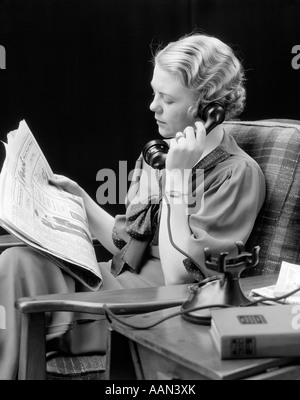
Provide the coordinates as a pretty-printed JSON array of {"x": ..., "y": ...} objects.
[{"x": 164, "y": 133}]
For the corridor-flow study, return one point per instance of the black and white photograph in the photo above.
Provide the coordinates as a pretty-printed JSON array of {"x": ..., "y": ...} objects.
[{"x": 149, "y": 192}]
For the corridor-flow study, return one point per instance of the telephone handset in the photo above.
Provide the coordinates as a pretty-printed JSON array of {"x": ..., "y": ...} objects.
[{"x": 155, "y": 152}]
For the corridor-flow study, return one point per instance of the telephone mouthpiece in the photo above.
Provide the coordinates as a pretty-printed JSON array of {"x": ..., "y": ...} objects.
[{"x": 155, "y": 153}]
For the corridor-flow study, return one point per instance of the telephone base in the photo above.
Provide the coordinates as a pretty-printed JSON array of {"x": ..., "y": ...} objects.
[{"x": 219, "y": 292}]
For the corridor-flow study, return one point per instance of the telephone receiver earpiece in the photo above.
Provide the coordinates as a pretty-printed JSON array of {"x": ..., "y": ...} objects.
[
  {"x": 155, "y": 152},
  {"x": 213, "y": 115}
]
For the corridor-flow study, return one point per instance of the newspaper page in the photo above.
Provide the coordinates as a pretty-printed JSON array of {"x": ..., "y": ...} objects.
[
  {"x": 42, "y": 215},
  {"x": 288, "y": 281}
]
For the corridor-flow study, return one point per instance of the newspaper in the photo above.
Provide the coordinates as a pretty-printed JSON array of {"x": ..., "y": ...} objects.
[
  {"x": 45, "y": 217},
  {"x": 288, "y": 281}
]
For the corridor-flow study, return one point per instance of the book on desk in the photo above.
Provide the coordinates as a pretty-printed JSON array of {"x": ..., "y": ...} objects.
[{"x": 256, "y": 332}]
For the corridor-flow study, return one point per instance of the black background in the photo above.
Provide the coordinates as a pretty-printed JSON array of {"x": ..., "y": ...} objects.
[{"x": 78, "y": 71}]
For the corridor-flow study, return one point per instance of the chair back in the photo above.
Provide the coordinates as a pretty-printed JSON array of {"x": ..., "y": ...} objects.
[{"x": 275, "y": 146}]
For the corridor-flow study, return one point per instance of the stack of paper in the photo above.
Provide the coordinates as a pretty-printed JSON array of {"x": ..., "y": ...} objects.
[{"x": 288, "y": 281}]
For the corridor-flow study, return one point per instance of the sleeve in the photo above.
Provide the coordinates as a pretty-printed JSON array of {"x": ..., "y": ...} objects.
[{"x": 230, "y": 206}]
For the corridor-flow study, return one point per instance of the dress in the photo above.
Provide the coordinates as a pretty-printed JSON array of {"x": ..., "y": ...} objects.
[{"x": 233, "y": 191}]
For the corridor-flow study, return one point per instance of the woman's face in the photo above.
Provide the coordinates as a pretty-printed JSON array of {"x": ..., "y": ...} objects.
[{"x": 171, "y": 103}]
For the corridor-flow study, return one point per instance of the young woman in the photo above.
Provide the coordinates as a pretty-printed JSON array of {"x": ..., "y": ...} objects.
[{"x": 228, "y": 193}]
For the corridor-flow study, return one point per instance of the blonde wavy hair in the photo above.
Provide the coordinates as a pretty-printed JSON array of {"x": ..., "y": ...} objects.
[{"x": 209, "y": 68}]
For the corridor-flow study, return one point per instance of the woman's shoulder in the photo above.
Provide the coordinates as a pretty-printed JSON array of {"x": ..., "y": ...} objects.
[
  {"x": 239, "y": 159},
  {"x": 237, "y": 168}
]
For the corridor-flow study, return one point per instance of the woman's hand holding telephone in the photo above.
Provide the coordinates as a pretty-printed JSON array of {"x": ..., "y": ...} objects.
[
  {"x": 186, "y": 148},
  {"x": 155, "y": 152}
]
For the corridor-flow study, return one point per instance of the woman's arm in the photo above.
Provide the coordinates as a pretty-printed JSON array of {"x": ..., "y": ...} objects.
[
  {"x": 174, "y": 226},
  {"x": 101, "y": 223}
]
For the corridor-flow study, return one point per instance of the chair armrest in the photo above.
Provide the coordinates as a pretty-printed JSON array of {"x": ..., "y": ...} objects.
[{"x": 124, "y": 301}]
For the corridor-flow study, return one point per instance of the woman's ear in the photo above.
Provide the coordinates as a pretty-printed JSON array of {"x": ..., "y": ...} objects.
[{"x": 193, "y": 111}]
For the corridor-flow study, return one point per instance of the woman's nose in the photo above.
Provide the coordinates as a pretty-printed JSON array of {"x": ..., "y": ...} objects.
[{"x": 155, "y": 107}]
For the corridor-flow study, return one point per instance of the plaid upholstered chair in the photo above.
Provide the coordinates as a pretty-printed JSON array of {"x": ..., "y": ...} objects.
[{"x": 275, "y": 145}]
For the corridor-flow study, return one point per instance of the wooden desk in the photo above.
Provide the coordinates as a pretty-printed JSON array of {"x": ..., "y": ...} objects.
[{"x": 177, "y": 349}]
